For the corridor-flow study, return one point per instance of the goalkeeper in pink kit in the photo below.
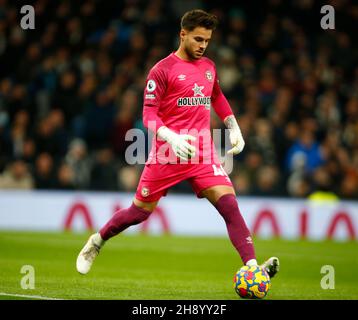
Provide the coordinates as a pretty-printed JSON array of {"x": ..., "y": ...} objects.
[{"x": 180, "y": 92}]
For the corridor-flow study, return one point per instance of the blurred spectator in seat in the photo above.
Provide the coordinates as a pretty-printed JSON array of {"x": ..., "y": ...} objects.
[
  {"x": 16, "y": 176},
  {"x": 306, "y": 107},
  {"x": 322, "y": 186},
  {"x": 65, "y": 178},
  {"x": 128, "y": 178},
  {"x": 104, "y": 69},
  {"x": 58, "y": 122},
  {"x": 29, "y": 152},
  {"x": 14, "y": 136},
  {"x": 86, "y": 95},
  {"x": 17, "y": 100},
  {"x": 65, "y": 96},
  {"x": 306, "y": 150},
  {"x": 46, "y": 80},
  {"x": 99, "y": 120},
  {"x": 279, "y": 111},
  {"x": 27, "y": 67},
  {"x": 289, "y": 77},
  {"x": 228, "y": 72},
  {"x": 262, "y": 140},
  {"x": 298, "y": 186},
  {"x": 44, "y": 172},
  {"x": 22, "y": 119},
  {"x": 287, "y": 137},
  {"x": 328, "y": 111},
  {"x": 253, "y": 162},
  {"x": 123, "y": 122},
  {"x": 267, "y": 85},
  {"x": 17, "y": 138},
  {"x": 51, "y": 136},
  {"x": 104, "y": 172},
  {"x": 348, "y": 188},
  {"x": 267, "y": 182},
  {"x": 242, "y": 183},
  {"x": 78, "y": 160}
]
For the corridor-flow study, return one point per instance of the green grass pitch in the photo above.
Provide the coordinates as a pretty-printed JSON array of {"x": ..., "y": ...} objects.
[{"x": 169, "y": 267}]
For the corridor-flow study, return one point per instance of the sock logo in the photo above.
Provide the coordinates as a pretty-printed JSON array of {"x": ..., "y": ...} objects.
[{"x": 249, "y": 240}]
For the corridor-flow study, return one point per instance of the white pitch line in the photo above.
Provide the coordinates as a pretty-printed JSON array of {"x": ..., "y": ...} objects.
[{"x": 27, "y": 296}]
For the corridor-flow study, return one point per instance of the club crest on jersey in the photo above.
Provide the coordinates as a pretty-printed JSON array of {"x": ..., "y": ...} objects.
[
  {"x": 145, "y": 192},
  {"x": 151, "y": 85},
  {"x": 209, "y": 75}
]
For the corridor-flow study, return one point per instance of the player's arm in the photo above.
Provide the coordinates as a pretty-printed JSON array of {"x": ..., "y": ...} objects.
[
  {"x": 224, "y": 111},
  {"x": 154, "y": 91}
]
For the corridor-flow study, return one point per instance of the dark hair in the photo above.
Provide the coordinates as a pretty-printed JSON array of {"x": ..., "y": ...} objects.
[{"x": 198, "y": 18}]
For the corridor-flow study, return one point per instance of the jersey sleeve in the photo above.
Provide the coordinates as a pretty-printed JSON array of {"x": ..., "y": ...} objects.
[
  {"x": 153, "y": 93},
  {"x": 219, "y": 101}
]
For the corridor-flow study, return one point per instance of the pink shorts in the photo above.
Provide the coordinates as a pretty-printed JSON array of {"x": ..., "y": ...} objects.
[{"x": 157, "y": 178}]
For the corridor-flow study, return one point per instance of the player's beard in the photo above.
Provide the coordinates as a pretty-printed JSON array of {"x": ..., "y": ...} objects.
[{"x": 191, "y": 53}]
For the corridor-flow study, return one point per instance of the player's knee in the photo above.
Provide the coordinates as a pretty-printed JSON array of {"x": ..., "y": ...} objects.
[{"x": 147, "y": 206}]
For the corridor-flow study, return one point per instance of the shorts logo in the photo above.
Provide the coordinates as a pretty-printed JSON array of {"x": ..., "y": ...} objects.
[
  {"x": 151, "y": 85},
  {"x": 209, "y": 75},
  {"x": 145, "y": 192}
]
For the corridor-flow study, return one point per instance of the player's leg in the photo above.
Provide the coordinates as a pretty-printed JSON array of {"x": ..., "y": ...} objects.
[
  {"x": 143, "y": 205},
  {"x": 124, "y": 218},
  {"x": 154, "y": 183},
  {"x": 121, "y": 220},
  {"x": 224, "y": 200}
]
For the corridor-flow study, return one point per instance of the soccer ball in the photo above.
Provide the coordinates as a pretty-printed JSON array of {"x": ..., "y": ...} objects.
[{"x": 252, "y": 282}]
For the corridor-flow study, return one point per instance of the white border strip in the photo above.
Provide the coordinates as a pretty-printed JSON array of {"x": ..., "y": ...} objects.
[{"x": 28, "y": 296}]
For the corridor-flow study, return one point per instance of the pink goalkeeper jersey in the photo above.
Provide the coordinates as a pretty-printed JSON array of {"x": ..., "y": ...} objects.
[{"x": 179, "y": 94}]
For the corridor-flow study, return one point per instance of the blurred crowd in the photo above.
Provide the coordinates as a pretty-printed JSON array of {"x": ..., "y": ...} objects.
[{"x": 71, "y": 88}]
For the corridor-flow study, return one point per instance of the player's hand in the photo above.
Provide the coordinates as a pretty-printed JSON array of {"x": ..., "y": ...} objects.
[
  {"x": 179, "y": 143},
  {"x": 236, "y": 138},
  {"x": 182, "y": 148},
  {"x": 237, "y": 142}
]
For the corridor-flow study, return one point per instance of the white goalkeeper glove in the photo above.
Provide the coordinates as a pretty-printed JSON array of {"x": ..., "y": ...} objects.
[
  {"x": 178, "y": 142},
  {"x": 235, "y": 135}
]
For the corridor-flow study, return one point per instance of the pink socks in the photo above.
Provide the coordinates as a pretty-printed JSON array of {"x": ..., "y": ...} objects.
[
  {"x": 123, "y": 219},
  {"x": 239, "y": 234}
]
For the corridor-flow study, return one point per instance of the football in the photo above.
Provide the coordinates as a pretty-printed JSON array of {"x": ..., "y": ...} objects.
[{"x": 252, "y": 282}]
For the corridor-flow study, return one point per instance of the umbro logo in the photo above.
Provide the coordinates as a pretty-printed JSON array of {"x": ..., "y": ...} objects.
[
  {"x": 248, "y": 240},
  {"x": 182, "y": 77}
]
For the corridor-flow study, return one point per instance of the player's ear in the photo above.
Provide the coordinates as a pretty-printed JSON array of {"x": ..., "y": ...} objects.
[{"x": 182, "y": 33}]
